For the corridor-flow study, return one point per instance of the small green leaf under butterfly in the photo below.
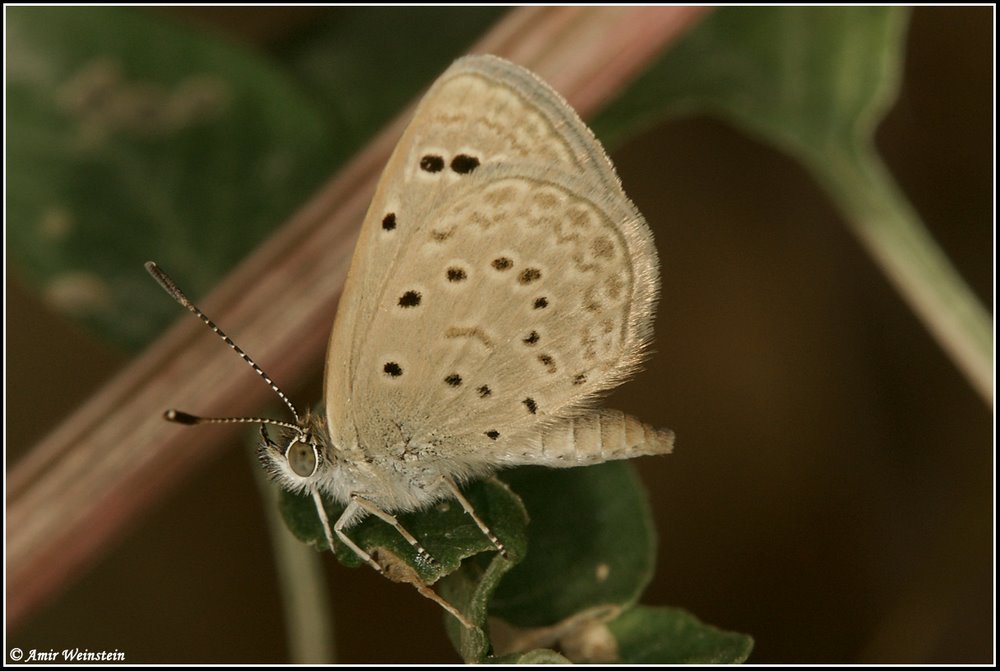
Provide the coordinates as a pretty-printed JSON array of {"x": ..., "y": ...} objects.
[{"x": 445, "y": 530}]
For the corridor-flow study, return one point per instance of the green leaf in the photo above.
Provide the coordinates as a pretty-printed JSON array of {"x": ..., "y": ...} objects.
[
  {"x": 802, "y": 77},
  {"x": 449, "y": 535},
  {"x": 647, "y": 635},
  {"x": 470, "y": 589},
  {"x": 584, "y": 559},
  {"x": 131, "y": 138},
  {"x": 591, "y": 543},
  {"x": 590, "y": 547},
  {"x": 445, "y": 530}
]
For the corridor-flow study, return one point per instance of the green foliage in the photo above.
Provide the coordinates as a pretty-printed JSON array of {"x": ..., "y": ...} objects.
[
  {"x": 592, "y": 542},
  {"x": 807, "y": 79},
  {"x": 445, "y": 530},
  {"x": 131, "y": 138},
  {"x": 581, "y": 563},
  {"x": 673, "y": 636}
]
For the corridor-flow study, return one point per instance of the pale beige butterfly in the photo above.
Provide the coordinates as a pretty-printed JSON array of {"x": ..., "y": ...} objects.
[{"x": 501, "y": 282}]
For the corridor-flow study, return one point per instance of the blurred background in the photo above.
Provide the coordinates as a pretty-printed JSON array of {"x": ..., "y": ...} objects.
[{"x": 831, "y": 492}]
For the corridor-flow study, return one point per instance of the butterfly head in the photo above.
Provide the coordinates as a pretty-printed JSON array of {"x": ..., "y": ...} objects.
[{"x": 297, "y": 457}]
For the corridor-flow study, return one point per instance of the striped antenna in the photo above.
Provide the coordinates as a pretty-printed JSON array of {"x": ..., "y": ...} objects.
[{"x": 184, "y": 418}]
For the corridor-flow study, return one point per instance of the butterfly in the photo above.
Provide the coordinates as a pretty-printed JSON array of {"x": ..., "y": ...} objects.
[{"x": 501, "y": 283}]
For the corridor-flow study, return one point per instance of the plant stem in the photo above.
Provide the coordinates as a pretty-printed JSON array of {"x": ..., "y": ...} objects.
[
  {"x": 887, "y": 225},
  {"x": 309, "y": 623}
]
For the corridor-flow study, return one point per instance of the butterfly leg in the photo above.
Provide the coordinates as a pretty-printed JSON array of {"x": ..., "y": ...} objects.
[
  {"x": 475, "y": 518},
  {"x": 370, "y": 507},
  {"x": 338, "y": 528},
  {"x": 357, "y": 503},
  {"x": 427, "y": 592}
]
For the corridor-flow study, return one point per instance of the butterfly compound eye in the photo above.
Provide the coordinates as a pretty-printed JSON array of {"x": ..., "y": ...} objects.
[{"x": 301, "y": 458}]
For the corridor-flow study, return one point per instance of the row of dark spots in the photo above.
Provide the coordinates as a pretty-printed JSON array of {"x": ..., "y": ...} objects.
[
  {"x": 526, "y": 276},
  {"x": 455, "y": 380},
  {"x": 532, "y": 339},
  {"x": 393, "y": 369},
  {"x": 412, "y": 298},
  {"x": 529, "y": 403},
  {"x": 462, "y": 164},
  {"x": 456, "y": 274},
  {"x": 529, "y": 275},
  {"x": 546, "y": 360}
]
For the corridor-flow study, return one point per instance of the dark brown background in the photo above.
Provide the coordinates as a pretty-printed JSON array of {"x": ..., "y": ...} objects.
[{"x": 831, "y": 490}]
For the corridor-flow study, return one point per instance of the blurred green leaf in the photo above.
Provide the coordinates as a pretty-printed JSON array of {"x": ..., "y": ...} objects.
[
  {"x": 805, "y": 78},
  {"x": 131, "y": 138},
  {"x": 673, "y": 636},
  {"x": 591, "y": 543}
]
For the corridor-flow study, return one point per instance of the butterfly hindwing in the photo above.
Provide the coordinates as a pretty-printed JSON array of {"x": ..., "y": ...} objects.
[{"x": 502, "y": 277}]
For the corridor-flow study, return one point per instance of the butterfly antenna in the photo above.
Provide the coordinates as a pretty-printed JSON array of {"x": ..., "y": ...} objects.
[
  {"x": 192, "y": 420},
  {"x": 182, "y": 417}
]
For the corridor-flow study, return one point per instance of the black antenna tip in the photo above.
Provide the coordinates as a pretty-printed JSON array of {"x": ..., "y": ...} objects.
[{"x": 181, "y": 417}]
